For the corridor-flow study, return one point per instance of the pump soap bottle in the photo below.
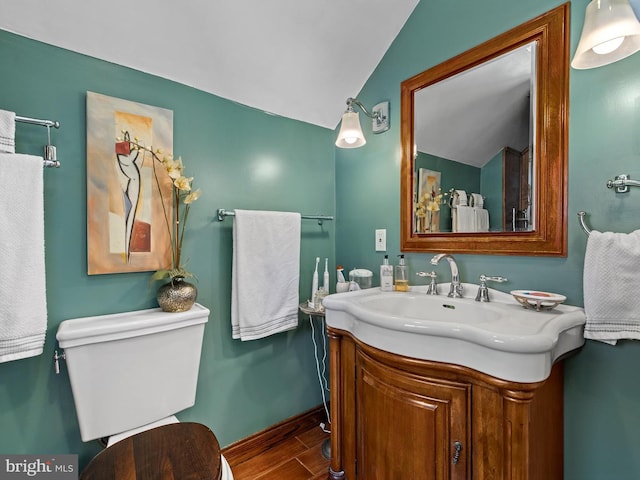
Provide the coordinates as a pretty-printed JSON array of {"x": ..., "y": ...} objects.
[
  {"x": 386, "y": 275},
  {"x": 402, "y": 278}
]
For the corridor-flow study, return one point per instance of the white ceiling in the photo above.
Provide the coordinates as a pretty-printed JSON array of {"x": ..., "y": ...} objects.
[{"x": 300, "y": 59}]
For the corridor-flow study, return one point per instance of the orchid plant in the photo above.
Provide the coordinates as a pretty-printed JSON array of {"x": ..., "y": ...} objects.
[
  {"x": 426, "y": 205},
  {"x": 182, "y": 196}
]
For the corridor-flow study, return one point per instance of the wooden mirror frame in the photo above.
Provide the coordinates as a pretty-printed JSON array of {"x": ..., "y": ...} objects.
[{"x": 551, "y": 32}]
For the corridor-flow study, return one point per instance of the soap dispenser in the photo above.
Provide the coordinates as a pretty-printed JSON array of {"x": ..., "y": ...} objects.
[
  {"x": 401, "y": 277},
  {"x": 386, "y": 275}
]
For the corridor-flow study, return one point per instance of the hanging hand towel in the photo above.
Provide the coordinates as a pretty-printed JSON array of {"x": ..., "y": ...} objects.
[
  {"x": 611, "y": 279},
  {"x": 23, "y": 301},
  {"x": 266, "y": 273},
  {"x": 465, "y": 219},
  {"x": 481, "y": 219},
  {"x": 7, "y": 131}
]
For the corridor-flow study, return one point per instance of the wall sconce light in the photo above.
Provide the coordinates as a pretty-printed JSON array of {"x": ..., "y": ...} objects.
[
  {"x": 350, "y": 135},
  {"x": 610, "y": 33}
]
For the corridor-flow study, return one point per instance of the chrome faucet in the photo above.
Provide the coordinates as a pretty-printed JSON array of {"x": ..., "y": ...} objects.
[{"x": 456, "y": 287}]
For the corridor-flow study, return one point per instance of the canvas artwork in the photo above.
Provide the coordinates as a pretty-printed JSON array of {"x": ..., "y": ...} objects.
[
  {"x": 126, "y": 224},
  {"x": 427, "y": 213}
]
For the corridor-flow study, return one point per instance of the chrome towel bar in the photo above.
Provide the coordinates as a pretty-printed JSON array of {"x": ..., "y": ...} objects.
[
  {"x": 50, "y": 155},
  {"x": 36, "y": 121},
  {"x": 222, "y": 213}
]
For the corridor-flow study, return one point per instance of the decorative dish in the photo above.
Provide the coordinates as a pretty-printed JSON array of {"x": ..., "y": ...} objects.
[{"x": 538, "y": 300}]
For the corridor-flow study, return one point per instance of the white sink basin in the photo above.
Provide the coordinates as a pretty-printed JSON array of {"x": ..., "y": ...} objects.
[{"x": 500, "y": 338}]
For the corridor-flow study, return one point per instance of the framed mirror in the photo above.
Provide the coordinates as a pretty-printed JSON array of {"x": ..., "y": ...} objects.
[{"x": 484, "y": 146}]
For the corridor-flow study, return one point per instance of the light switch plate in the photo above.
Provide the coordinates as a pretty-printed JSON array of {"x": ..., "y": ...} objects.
[{"x": 381, "y": 240}]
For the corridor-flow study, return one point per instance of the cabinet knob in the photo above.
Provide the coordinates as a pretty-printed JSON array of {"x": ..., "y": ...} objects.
[{"x": 456, "y": 454}]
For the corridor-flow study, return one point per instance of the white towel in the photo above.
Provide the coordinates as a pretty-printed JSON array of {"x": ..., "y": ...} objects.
[
  {"x": 465, "y": 219},
  {"x": 481, "y": 219},
  {"x": 461, "y": 198},
  {"x": 7, "y": 131},
  {"x": 611, "y": 279},
  {"x": 476, "y": 200},
  {"x": 23, "y": 300},
  {"x": 266, "y": 273}
]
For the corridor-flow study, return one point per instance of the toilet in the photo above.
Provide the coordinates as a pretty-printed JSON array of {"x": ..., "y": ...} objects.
[{"x": 130, "y": 374}]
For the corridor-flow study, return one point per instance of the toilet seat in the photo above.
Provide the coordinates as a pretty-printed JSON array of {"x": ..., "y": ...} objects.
[{"x": 177, "y": 450}]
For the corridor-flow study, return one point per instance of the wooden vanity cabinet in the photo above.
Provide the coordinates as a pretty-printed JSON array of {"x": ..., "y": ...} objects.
[{"x": 400, "y": 418}]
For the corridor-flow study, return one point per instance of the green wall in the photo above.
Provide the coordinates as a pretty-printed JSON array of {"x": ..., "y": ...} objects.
[
  {"x": 491, "y": 181},
  {"x": 241, "y": 158},
  {"x": 602, "y": 383}
]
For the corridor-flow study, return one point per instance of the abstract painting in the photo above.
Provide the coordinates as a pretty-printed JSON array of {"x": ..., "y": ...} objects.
[
  {"x": 427, "y": 212},
  {"x": 126, "y": 224}
]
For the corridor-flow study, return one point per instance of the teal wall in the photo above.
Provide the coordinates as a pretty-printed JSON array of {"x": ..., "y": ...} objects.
[
  {"x": 241, "y": 158},
  {"x": 602, "y": 386},
  {"x": 491, "y": 187}
]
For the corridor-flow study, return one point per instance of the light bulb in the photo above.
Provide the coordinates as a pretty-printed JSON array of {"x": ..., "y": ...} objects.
[{"x": 608, "y": 46}]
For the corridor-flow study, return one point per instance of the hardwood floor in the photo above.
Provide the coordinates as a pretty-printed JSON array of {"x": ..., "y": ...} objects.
[{"x": 290, "y": 450}]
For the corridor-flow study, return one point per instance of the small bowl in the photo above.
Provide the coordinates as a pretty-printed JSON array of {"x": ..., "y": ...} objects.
[{"x": 538, "y": 300}]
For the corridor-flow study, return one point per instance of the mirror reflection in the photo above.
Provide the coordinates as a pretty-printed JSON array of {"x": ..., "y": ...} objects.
[
  {"x": 474, "y": 148},
  {"x": 507, "y": 160}
]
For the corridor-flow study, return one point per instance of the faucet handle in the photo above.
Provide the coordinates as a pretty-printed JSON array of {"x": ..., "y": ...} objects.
[
  {"x": 483, "y": 291},
  {"x": 485, "y": 278},
  {"x": 432, "y": 289}
]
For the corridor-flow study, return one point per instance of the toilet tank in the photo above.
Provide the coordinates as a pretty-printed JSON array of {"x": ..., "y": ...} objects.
[{"x": 130, "y": 369}]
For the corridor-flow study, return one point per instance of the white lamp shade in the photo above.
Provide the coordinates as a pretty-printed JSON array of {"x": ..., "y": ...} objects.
[
  {"x": 607, "y": 23},
  {"x": 350, "y": 135}
]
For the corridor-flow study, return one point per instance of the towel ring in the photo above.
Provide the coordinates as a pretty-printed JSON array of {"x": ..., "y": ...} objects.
[{"x": 583, "y": 225}]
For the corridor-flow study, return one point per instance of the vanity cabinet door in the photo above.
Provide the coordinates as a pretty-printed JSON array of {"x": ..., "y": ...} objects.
[{"x": 409, "y": 426}]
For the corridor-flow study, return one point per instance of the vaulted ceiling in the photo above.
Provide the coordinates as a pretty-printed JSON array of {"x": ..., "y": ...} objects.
[
  {"x": 472, "y": 116},
  {"x": 300, "y": 59}
]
